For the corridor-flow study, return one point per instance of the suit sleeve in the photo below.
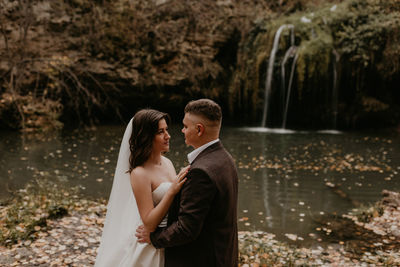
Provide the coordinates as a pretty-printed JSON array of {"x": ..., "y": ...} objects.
[{"x": 196, "y": 197}]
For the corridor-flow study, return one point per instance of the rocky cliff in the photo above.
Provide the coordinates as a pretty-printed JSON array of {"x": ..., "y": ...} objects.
[{"x": 87, "y": 61}]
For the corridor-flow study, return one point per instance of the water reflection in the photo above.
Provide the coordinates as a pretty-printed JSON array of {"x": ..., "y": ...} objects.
[{"x": 284, "y": 178}]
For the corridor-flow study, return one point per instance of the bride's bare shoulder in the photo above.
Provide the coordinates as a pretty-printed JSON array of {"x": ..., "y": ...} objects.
[{"x": 138, "y": 174}]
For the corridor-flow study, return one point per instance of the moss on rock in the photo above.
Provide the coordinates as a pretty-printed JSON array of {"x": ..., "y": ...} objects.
[{"x": 350, "y": 41}]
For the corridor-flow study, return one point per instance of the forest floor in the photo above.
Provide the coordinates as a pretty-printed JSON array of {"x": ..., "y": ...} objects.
[{"x": 73, "y": 239}]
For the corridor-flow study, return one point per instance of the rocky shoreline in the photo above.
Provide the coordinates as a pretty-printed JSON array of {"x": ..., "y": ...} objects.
[{"x": 73, "y": 240}]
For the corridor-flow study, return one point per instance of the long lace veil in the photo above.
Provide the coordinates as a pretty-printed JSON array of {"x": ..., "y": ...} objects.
[{"x": 122, "y": 212}]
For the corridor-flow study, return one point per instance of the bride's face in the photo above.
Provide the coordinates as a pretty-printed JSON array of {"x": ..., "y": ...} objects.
[{"x": 161, "y": 139}]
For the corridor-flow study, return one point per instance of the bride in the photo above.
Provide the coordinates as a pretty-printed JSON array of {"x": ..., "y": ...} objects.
[{"x": 144, "y": 186}]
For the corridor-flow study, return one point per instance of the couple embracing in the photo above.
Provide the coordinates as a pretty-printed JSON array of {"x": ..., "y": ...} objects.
[{"x": 157, "y": 218}]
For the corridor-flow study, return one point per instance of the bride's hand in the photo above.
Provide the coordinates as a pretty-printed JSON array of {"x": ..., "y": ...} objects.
[
  {"x": 179, "y": 180},
  {"x": 143, "y": 235}
]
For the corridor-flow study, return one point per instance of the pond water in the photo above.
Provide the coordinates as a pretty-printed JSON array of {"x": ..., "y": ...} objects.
[{"x": 285, "y": 178}]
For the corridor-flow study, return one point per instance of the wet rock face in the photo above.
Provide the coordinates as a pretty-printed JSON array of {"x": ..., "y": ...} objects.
[
  {"x": 28, "y": 114},
  {"x": 103, "y": 58},
  {"x": 339, "y": 70},
  {"x": 122, "y": 54}
]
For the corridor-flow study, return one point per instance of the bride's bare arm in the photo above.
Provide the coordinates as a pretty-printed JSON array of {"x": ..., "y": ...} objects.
[{"x": 141, "y": 185}]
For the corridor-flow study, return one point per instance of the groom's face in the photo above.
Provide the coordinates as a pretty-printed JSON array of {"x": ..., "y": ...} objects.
[{"x": 190, "y": 129}]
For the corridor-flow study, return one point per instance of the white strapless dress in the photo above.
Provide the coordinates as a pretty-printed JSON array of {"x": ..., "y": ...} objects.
[{"x": 141, "y": 254}]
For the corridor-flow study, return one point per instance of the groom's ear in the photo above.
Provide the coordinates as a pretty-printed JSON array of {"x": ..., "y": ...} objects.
[{"x": 200, "y": 129}]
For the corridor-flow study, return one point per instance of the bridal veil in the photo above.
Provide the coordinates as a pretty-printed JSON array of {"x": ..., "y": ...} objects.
[{"x": 122, "y": 212}]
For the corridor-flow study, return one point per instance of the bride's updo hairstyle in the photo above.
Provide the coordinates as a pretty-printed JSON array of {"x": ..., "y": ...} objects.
[{"x": 144, "y": 128}]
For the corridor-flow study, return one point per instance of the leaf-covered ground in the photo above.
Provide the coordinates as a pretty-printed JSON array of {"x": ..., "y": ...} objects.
[{"x": 71, "y": 236}]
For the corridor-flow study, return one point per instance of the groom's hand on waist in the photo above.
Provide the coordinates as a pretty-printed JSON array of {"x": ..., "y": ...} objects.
[{"x": 143, "y": 235}]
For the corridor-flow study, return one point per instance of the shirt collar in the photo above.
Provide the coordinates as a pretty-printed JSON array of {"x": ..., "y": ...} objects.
[{"x": 193, "y": 155}]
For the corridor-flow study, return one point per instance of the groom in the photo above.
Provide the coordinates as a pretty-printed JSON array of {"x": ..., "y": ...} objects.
[{"x": 202, "y": 220}]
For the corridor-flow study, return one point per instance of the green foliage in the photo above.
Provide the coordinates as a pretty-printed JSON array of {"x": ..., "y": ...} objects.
[
  {"x": 365, "y": 34},
  {"x": 314, "y": 58},
  {"x": 361, "y": 33}
]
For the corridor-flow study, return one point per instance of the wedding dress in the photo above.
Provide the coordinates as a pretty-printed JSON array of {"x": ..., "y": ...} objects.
[
  {"x": 143, "y": 254},
  {"x": 119, "y": 246}
]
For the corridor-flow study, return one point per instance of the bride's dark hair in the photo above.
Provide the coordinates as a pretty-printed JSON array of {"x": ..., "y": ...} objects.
[{"x": 144, "y": 128}]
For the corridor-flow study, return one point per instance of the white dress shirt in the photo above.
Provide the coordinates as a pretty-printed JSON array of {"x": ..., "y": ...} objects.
[{"x": 193, "y": 155}]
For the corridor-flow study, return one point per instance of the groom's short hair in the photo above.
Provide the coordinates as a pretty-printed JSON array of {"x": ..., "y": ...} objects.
[{"x": 205, "y": 108}]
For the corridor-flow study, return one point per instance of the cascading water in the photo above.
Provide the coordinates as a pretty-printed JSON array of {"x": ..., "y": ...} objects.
[
  {"x": 289, "y": 53},
  {"x": 270, "y": 70},
  {"x": 334, "y": 88},
  {"x": 286, "y": 86},
  {"x": 289, "y": 89}
]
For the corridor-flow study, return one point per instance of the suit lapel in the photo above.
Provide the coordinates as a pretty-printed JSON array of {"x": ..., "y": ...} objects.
[
  {"x": 174, "y": 208},
  {"x": 217, "y": 145}
]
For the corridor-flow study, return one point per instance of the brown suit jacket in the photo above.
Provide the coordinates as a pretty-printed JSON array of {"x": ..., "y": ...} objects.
[{"x": 202, "y": 220}]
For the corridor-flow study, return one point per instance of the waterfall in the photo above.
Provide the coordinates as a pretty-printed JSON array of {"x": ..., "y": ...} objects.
[
  {"x": 289, "y": 89},
  {"x": 287, "y": 55},
  {"x": 334, "y": 89},
  {"x": 270, "y": 69},
  {"x": 287, "y": 82}
]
